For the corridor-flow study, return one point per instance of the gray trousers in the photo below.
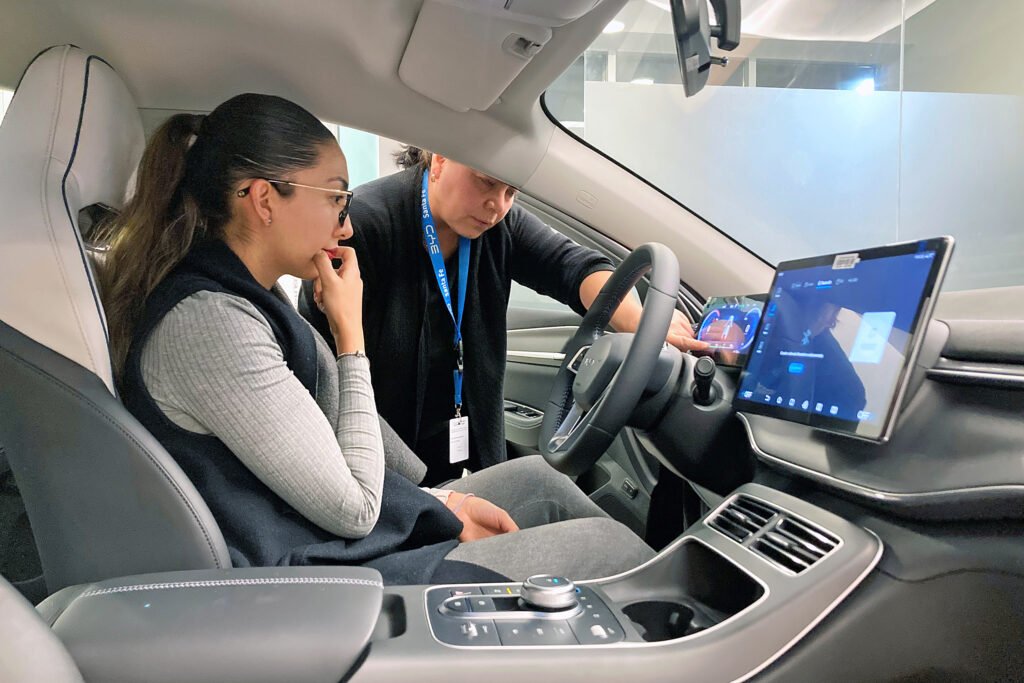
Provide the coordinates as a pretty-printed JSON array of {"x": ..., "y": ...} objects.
[{"x": 561, "y": 532}]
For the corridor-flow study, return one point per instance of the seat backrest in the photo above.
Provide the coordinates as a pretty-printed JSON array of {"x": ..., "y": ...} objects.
[
  {"x": 103, "y": 497},
  {"x": 29, "y": 650}
]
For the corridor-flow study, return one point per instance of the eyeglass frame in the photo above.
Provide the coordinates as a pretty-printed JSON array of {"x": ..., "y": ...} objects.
[{"x": 342, "y": 215}]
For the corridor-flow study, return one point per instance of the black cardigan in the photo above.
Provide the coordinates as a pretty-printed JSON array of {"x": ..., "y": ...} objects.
[{"x": 397, "y": 275}]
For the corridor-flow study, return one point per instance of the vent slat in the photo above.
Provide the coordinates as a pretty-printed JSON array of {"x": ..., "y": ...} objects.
[
  {"x": 809, "y": 536},
  {"x": 793, "y": 547},
  {"x": 754, "y": 509},
  {"x": 781, "y": 557},
  {"x": 730, "y": 528},
  {"x": 743, "y": 520}
]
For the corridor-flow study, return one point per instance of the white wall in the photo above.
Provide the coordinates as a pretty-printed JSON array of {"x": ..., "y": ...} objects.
[
  {"x": 5, "y": 101},
  {"x": 794, "y": 173}
]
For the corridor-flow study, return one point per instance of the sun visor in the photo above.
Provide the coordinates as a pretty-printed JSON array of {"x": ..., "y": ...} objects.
[{"x": 464, "y": 53}]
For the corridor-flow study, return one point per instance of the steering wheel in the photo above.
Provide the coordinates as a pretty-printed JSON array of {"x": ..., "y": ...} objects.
[{"x": 604, "y": 375}]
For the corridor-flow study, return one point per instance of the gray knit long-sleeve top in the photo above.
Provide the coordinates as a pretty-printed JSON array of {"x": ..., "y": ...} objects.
[{"x": 213, "y": 366}]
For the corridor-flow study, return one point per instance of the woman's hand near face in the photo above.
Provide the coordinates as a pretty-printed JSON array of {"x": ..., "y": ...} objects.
[
  {"x": 339, "y": 294},
  {"x": 480, "y": 518}
]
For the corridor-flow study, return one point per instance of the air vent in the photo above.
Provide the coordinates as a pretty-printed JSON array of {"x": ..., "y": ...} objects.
[
  {"x": 742, "y": 518},
  {"x": 776, "y": 535}
]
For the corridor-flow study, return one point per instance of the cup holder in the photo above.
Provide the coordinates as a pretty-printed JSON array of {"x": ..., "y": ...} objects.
[{"x": 658, "y": 620}]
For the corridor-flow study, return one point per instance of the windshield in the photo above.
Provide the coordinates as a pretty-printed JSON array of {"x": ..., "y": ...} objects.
[{"x": 837, "y": 124}]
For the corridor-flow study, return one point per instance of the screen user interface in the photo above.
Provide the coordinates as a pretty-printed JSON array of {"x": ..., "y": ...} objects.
[
  {"x": 836, "y": 337},
  {"x": 728, "y": 325}
]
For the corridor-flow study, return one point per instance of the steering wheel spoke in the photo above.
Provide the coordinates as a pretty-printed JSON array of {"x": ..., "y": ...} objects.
[
  {"x": 573, "y": 419},
  {"x": 601, "y": 382}
]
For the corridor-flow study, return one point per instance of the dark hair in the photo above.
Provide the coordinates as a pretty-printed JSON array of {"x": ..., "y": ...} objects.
[
  {"x": 183, "y": 189},
  {"x": 410, "y": 156}
]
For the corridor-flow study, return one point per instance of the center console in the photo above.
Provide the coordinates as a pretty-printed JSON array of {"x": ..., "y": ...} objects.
[
  {"x": 727, "y": 598},
  {"x": 722, "y": 602}
]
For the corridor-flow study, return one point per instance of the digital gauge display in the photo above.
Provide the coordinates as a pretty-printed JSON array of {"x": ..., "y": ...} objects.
[{"x": 728, "y": 325}]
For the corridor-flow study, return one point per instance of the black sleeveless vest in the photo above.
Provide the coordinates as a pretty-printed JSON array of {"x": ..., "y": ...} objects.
[{"x": 414, "y": 531}]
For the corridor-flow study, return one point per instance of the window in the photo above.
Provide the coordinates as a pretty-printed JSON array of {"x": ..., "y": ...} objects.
[
  {"x": 860, "y": 124},
  {"x": 5, "y": 101}
]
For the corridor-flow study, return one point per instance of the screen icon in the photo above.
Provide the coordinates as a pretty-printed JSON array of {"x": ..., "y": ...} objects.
[
  {"x": 819, "y": 406},
  {"x": 748, "y": 394},
  {"x": 834, "y": 410},
  {"x": 779, "y": 400},
  {"x": 805, "y": 404},
  {"x": 792, "y": 402}
]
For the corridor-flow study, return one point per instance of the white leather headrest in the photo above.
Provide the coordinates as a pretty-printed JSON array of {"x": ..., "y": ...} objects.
[{"x": 72, "y": 137}]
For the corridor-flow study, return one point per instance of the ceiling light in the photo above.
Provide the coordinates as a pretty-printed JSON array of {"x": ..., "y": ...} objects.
[
  {"x": 865, "y": 86},
  {"x": 614, "y": 26}
]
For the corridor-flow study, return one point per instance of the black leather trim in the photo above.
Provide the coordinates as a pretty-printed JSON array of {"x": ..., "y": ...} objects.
[
  {"x": 85, "y": 400},
  {"x": 72, "y": 387}
]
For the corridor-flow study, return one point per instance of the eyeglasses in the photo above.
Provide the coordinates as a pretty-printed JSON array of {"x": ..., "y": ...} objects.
[{"x": 344, "y": 196}]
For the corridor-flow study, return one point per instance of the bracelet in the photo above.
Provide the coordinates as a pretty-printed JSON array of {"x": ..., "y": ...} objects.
[
  {"x": 357, "y": 354},
  {"x": 462, "y": 502}
]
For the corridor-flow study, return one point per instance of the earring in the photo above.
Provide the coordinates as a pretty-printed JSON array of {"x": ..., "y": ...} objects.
[
  {"x": 433, "y": 177},
  {"x": 269, "y": 221}
]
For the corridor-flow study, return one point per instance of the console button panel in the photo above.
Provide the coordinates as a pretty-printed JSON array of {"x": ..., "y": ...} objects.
[{"x": 495, "y": 615}]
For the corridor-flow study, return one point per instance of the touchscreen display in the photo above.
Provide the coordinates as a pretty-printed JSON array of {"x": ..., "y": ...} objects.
[
  {"x": 728, "y": 325},
  {"x": 837, "y": 335}
]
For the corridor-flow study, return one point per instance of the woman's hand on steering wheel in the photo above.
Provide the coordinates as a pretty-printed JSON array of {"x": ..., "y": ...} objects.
[{"x": 480, "y": 518}]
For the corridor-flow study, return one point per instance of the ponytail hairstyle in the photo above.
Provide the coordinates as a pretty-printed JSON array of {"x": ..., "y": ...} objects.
[
  {"x": 183, "y": 189},
  {"x": 410, "y": 156}
]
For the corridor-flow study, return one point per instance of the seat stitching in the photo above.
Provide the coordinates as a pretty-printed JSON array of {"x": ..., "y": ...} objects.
[{"x": 217, "y": 583}]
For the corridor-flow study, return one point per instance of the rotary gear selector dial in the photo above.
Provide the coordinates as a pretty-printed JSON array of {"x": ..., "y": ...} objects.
[{"x": 547, "y": 592}]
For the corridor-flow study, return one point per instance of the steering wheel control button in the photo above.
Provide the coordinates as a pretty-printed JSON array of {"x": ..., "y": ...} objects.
[
  {"x": 549, "y": 593},
  {"x": 535, "y": 632},
  {"x": 577, "y": 360}
]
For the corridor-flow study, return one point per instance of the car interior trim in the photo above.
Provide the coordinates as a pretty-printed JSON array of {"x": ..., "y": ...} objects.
[{"x": 983, "y": 494}]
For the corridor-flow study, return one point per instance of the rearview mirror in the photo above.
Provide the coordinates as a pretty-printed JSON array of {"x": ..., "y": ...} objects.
[{"x": 694, "y": 31}]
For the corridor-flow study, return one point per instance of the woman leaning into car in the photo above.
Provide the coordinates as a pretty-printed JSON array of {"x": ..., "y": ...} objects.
[
  {"x": 280, "y": 435},
  {"x": 438, "y": 245}
]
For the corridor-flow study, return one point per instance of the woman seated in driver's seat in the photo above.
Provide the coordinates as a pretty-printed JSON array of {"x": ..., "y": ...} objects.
[{"x": 279, "y": 435}]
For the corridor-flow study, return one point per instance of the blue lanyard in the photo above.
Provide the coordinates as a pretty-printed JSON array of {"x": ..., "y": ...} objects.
[{"x": 437, "y": 260}]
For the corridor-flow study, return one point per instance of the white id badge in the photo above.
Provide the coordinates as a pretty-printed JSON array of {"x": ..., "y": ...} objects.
[{"x": 458, "y": 439}]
